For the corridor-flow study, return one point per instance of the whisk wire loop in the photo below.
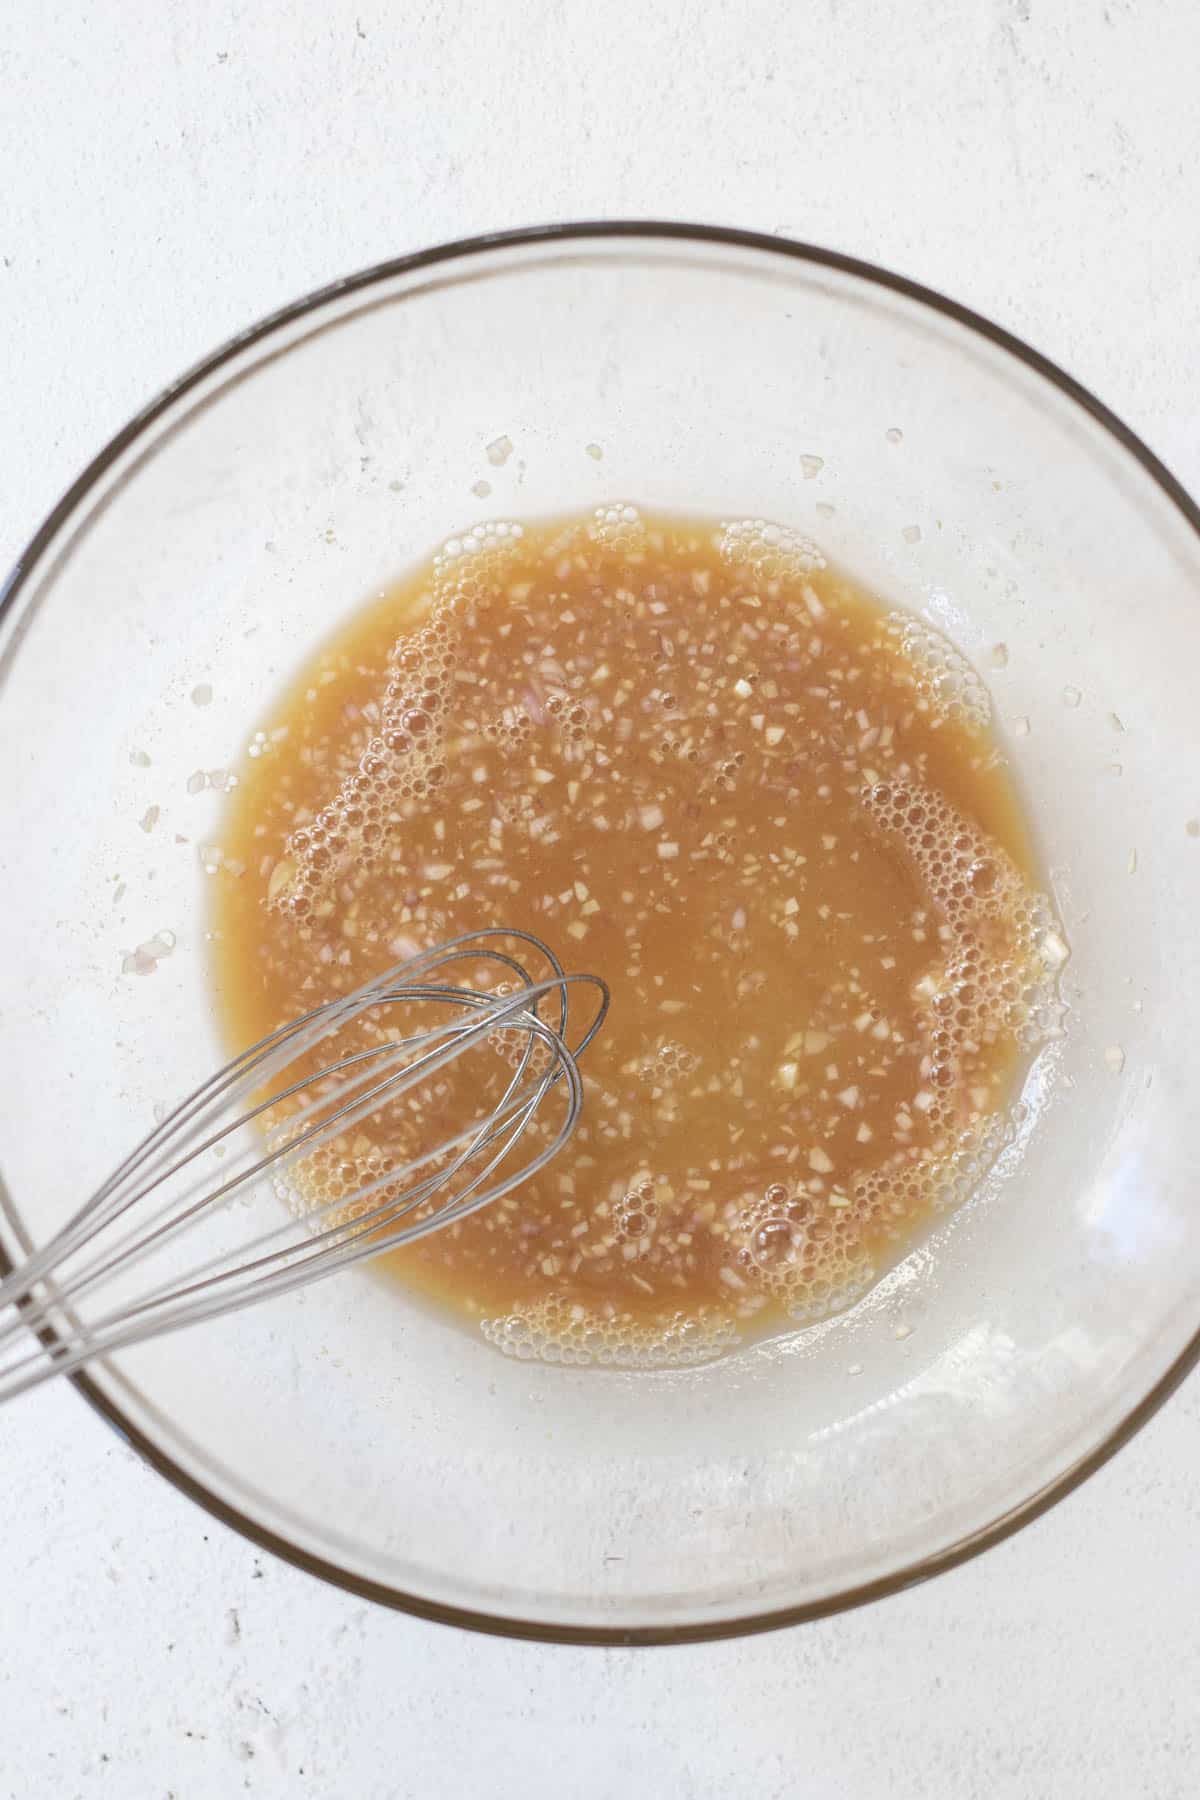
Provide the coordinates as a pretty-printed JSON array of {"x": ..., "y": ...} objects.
[{"x": 277, "y": 1112}]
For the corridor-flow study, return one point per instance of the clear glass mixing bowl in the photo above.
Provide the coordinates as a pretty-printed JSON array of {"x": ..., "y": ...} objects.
[{"x": 214, "y": 542}]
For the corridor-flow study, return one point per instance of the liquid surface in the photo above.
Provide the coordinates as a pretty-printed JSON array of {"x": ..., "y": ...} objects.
[{"x": 770, "y": 814}]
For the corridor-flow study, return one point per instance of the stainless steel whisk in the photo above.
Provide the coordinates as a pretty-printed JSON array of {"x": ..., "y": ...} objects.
[{"x": 118, "y": 1271}]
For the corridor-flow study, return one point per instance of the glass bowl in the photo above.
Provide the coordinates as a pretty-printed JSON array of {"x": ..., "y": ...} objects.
[{"x": 213, "y": 544}]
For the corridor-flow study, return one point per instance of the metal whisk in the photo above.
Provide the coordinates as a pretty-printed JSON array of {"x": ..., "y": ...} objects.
[{"x": 165, "y": 1242}]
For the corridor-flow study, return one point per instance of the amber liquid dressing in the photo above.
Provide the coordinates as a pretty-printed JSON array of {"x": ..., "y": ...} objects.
[{"x": 772, "y": 815}]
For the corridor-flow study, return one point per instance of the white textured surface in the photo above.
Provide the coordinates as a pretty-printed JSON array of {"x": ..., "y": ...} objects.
[{"x": 170, "y": 171}]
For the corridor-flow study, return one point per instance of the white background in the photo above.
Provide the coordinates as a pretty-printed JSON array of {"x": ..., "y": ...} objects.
[{"x": 169, "y": 172}]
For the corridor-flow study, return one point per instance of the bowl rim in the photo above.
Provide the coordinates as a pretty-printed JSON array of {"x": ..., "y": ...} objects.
[{"x": 11, "y": 587}]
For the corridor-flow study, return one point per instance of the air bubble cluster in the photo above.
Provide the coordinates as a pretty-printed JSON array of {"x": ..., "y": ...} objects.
[
  {"x": 997, "y": 976},
  {"x": 772, "y": 552},
  {"x": 802, "y": 1250},
  {"x": 403, "y": 760},
  {"x": 570, "y": 715},
  {"x": 512, "y": 727},
  {"x": 635, "y": 1215},
  {"x": 555, "y": 1330},
  {"x": 514, "y": 1045},
  {"x": 945, "y": 680},
  {"x": 670, "y": 1063},
  {"x": 904, "y": 1187},
  {"x": 332, "y": 1177},
  {"x": 618, "y": 526}
]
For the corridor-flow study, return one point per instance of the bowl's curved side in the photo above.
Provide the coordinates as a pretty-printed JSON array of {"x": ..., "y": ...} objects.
[{"x": 191, "y": 485}]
